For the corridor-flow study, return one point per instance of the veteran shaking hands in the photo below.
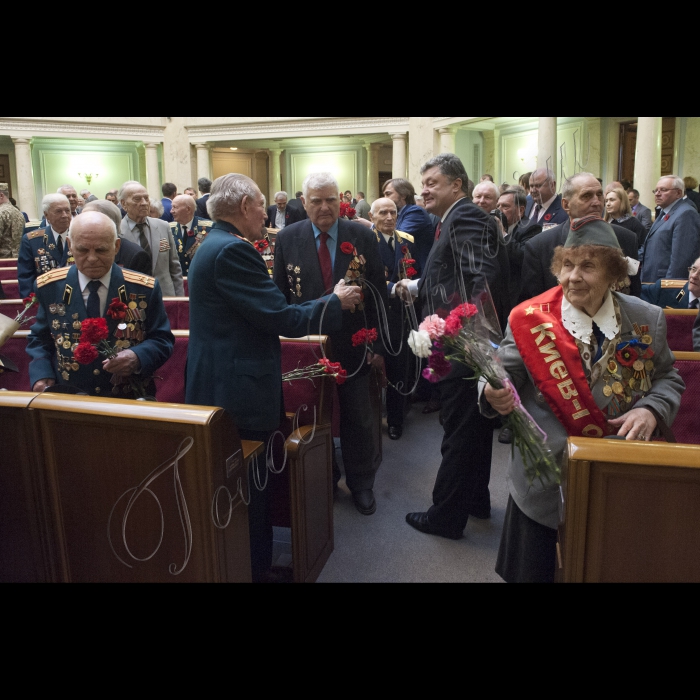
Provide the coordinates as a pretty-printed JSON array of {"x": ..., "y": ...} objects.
[{"x": 350, "y": 297}]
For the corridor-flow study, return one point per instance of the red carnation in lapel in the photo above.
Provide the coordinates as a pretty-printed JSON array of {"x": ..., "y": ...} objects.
[
  {"x": 117, "y": 310},
  {"x": 347, "y": 248}
]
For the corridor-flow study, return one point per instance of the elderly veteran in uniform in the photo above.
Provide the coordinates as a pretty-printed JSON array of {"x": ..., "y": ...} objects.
[
  {"x": 188, "y": 230},
  {"x": 587, "y": 362},
  {"x": 154, "y": 236},
  {"x": 46, "y": 249},
  {"x": 70, "y": 295},
  {"x": 398, "y": 252}
]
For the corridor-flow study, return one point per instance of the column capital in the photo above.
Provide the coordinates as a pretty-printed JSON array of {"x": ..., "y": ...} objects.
[
  {"x": 152, "y": 146},
  {"x": 447, "y": 130},
  {"x": 373, "y": 146},
  {"x": 201, "y": 145},
  {"x": 22, "y": 142},
  {"x": 401, "y": 136}
]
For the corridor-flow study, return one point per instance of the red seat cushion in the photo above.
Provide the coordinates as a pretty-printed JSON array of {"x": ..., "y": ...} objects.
[
  {"x": 15, "y": 349},
  {"x": 11, "y": 289},
  {"x": 8, "y": 273},
  {"x": 170, "y": 378},
  {"x": 8, "y": 262},
  {"x": 687, "y": 428},
  {"x": 680, "y": 332}
]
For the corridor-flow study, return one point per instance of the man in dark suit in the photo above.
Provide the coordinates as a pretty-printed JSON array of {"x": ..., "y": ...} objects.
[
  {"x": 583, "y": 196},
  {"x": 281, "y": 214},
  {"x": 675, "y": 294},
  {"x": 399, "y": 256},
  {"x": 297, "y": 204},
  {"x": 238, "y": 315},
  {"x": 129, "y": 256},
  {"x": 412, "y": 218},
  {"x": 311, "y": 257},
  {"x": 46, "y": 249},
  {"x": 169, "y": 194},
  {"x": 691, "y": 184},
  {"x": 639, "y": 211},
  {"x": 69, "y": 296},
  {"x": 467, "y": 259},
  {"x": 204, "y": 185},
  {"x": 547, "y": 207},
  {"x": 673, "y": 244},
  {"x": 520, "y": 230}
]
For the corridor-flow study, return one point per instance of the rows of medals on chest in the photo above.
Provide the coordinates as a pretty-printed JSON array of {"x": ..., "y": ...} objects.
[{"x": 354, "y": 274}]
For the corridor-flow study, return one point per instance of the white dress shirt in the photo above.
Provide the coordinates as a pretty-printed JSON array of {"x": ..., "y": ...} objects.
[
  {"x": 103, "y": 291},
  {"x": 281, "y": 219}
]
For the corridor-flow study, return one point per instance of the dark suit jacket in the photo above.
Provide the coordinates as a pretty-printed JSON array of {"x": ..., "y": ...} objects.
[
  {"x": 134, "y": 257},
  {"x": 672, "y": 246},
  {"x": 643, "y": 215},
  {"x": 416, "y": 221},
  {"x": 297, "y": 263},
  {"x": 31, "y": 263},
  {"x": 537, "y": 277},
  {"x": 202, "y": 207},
  {"x": 299, "y": 206},
  {"x": 392, "y": 259},
  {"x": 292, "y": 216},
  {"x": 554, "y": 216},
  {"x": 237, "y": 316},
  {"x": 636, "y": 226},
  {"x": 693, "y": 196},
  {"x": 468, "y": 256},
  {"x": 167, "y": 210},
  {"x": 153, "y": 352},
  {"x": 516, "y": 242}
]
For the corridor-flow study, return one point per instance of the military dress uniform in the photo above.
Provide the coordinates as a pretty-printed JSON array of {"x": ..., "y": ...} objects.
[
  {"x": 39, "y": 254},
  {"x": 187, "y": 243},
  {"x": 55, "y": 335},
  {"x": 400, "y": 263}
]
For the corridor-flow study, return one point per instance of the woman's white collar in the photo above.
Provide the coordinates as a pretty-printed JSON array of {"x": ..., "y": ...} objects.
[{"x": 580, "y": 324}]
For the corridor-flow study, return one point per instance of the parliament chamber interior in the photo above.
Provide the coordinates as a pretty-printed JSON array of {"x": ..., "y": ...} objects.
[{"x": 98, "y": 489}]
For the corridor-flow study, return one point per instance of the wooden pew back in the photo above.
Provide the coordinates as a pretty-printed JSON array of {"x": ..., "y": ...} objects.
[
  {"x": 687, "y": 426},
  {"x": 680, "y": 329}
]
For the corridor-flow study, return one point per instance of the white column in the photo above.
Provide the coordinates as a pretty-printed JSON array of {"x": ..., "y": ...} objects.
[
  {"x": 203, "y": 160},
  {"x": 448, "y": 140},
  {"x": 26, "y": 196},
  {"x": 547, "y": 156},
  {"x": 398, "y": 168},
  {"x": 153, "y": 172},
  {"x": 275, "y": 174},
  {"x": 647, "y": 167},
  {"x": 372, "y": 171}
]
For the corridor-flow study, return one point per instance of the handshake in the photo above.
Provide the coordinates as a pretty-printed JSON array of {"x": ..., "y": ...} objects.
[{"x": 349, "y": 296}]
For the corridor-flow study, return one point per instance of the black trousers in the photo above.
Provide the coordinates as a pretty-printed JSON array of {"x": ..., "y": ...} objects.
[
  {"x": 259, "y": 516},
  {"x": 399, "y": 369},
  {"x": 356, "y": 436},
  {"x": 462, "y": 485},
  {"x": 528, "y": 551}
]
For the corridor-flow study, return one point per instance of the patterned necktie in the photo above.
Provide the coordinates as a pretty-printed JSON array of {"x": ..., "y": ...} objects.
[
  {"x": 538, "y": 210},
  {"x": 324, "y": 257},
  {"x": 93, "y": 304},
  {"x": 59, "y": 245},
  {"x": 600, "y": 339},
  {"x": 143, "y": 238}
]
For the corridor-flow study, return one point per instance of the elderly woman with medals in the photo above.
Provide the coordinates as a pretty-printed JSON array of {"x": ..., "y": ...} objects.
[{"x": 587, "y": 362}]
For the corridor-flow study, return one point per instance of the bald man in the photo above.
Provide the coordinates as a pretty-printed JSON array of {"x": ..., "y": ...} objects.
[{"x": 69, "y": 296}]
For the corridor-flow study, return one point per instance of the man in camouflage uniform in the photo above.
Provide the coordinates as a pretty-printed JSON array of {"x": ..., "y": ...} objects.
[{"x": 11, "y": 225}]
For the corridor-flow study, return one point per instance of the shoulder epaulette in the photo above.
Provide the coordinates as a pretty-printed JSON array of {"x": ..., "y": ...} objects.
[
  {"x": 205, "y": 223},
  {"x": 137, "y": 278},
  {"x": 174, "y": 224},
  {"x": 54, "y": 276},
  {"x": 36, "y": 234},
  {"x": 400, "y": 235},
  {"x": 673, "y": 284}
]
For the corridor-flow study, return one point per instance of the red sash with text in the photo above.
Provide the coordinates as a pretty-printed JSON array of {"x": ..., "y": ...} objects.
[{"x": 553, "y": 359}]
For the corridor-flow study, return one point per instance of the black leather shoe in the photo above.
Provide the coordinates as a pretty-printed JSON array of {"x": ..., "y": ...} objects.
[
  {"x": 419, "y": 521},
  {"x": 395, "y": 433},
  {"x": 506, "y": 437},
  {"x": 365, "y": 502}
]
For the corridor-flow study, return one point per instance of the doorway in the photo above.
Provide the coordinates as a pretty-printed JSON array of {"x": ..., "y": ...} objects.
[
  {"x": 5, "y": 171},
  {"x": 628, "y": 148}
]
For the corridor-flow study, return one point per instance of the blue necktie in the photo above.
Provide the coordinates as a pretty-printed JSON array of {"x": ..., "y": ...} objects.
[{"x": 93, "y": 305}]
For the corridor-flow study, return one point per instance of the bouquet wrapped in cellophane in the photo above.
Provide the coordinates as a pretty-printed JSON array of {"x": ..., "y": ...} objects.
[{"x": 466, "y": 336}]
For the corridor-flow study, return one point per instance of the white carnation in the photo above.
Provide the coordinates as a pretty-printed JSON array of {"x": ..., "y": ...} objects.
[{"x": 421, "y": 344}]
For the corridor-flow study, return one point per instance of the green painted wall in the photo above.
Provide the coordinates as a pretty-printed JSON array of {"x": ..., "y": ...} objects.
[{"x": 58, "y": 162}]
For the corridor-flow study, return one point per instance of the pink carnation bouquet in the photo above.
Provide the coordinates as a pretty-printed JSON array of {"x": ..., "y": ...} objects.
[{"x": 463, "y": 338}]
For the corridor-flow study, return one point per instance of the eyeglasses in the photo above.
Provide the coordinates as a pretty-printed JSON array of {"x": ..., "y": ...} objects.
[
  {"x": 663, "y": 190},
  {"x": 693, "y": 271}
]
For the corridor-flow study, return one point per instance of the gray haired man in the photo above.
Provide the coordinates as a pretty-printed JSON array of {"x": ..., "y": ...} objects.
[
  {"x": 154, "y": 236},
  {"x": 281, "y": 214}
]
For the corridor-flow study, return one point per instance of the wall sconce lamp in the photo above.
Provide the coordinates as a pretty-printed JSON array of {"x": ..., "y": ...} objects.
[{"x": 89, "y": 177}]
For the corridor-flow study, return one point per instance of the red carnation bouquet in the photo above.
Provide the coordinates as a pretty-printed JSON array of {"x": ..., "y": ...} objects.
[
  {"x": 347, "y": 211},
  {"x": 365, "y": 337},
  {"x": 94, "y": 342},
  {"x": 323, "y": 368},
  {"x": 464, "y": 336}
]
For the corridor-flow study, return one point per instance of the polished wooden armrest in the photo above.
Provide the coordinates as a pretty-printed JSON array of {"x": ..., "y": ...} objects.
[{"x": 251, "y": 450}]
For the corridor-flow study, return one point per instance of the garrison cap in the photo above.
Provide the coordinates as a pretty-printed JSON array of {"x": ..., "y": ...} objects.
[{"x": 592, "y": 230}]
